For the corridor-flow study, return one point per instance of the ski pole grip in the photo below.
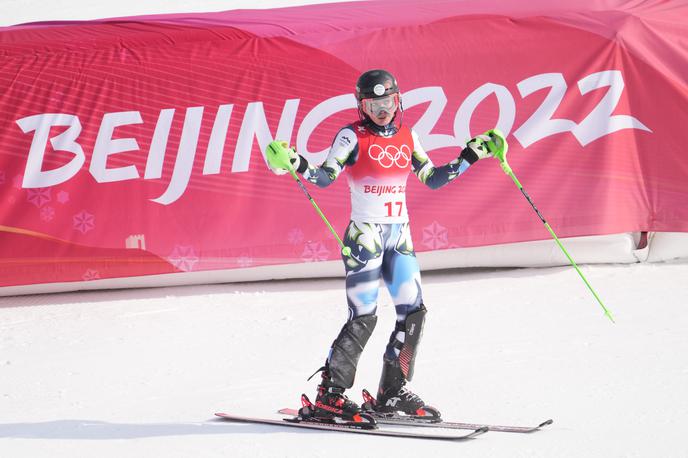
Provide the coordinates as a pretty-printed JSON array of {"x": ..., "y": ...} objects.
[{"x": 277, "y": 154}]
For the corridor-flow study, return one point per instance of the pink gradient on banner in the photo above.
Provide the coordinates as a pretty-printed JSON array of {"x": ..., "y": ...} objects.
[{"x": 132, "y": 146}]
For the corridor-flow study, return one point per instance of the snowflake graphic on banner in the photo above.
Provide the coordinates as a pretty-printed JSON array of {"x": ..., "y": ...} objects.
[
  {"x": 47, "y": 213},
  {"x": 38, "y": 196},
  {"x": 435, "y": 236},
  {"x": 90, "y": 274},
  {"x": 63, "y": 197},
  {"x": 84, "y": 221},
  {"x": 295, "y": 236},
  {"x": 315, "y": 251},
  {"x": 183, "y": 257}
]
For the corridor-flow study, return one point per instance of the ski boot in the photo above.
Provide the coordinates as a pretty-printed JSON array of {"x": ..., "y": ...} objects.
[
  {"x": 393, "y": 398},
  {"x": 332, "y": 406}
]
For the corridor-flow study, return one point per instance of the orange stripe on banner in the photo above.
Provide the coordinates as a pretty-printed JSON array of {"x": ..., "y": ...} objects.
[
  {"x": 30, "y": 233},
  {"x": 137, "y": 257}
]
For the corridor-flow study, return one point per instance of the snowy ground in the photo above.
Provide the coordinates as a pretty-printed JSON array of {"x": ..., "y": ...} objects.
[{"x": 139, "y": 373}]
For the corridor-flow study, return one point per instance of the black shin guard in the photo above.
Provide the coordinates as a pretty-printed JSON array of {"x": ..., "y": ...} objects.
[
  {"x": 347, "y": 349},
  {"x": 403, "y": 365},
  {"x": 412, "y": 335}
]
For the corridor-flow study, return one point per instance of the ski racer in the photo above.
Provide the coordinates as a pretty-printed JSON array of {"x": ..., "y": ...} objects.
[{"x": 379, "y": 153}]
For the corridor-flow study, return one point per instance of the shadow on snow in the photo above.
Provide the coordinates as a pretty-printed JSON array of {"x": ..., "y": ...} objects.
[{"x": 100, "y": 430}]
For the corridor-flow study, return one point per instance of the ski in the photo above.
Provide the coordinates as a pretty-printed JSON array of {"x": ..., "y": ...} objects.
[
  {"x": 396, "y": 419},
  {"x": 298, "y": 422},
  {"x": 406, "y": 420}
]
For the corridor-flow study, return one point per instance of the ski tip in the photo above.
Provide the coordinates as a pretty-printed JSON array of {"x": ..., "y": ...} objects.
[
  {"x": 545, "y": 423},
  {"x": 479, "y": 431}
]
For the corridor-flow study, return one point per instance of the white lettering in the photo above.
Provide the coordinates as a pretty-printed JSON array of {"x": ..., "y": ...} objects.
[
  {"x": 216, "y": 144},
  {"x": 314, "y": 118},
  {"x": 507, "y": 110},
  {"x": 185, "y": 157},
  {"x": 600, "y": 121},
  {"x": 541, "y": 124},
  {"x": 255, "y": 125},
  {"x": 107, "y": 146},
  {"x": 34, "y": 176},
  {"x": 438, "y": 101},
  {"x": 156, "y": 153}
]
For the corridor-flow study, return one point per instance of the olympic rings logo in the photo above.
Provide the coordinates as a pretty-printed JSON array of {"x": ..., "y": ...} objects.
[{"x": 390, "y": 155}]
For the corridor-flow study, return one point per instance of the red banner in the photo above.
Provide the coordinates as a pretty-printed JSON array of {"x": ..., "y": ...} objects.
[{"x": 133, "y": 146}]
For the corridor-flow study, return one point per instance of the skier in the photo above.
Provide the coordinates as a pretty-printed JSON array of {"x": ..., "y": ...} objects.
[{"x": 379, "y": 152}]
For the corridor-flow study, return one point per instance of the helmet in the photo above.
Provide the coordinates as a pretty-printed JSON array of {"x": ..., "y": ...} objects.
[
  {"x": 377, "y": 92},
  {"x": 375, "y": 83}
]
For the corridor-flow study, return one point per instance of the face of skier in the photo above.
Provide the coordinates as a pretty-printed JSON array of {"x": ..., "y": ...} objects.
[{"x": 381, "y": 110}]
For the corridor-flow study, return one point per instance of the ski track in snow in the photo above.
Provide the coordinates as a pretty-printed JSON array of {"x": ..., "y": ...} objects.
[{"x": 141, "y": 372}]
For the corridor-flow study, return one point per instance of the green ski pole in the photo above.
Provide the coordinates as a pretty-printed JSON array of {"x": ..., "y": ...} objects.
[
  {"x": 278, "y": 157},
  {"x": 499, "y": 151}
]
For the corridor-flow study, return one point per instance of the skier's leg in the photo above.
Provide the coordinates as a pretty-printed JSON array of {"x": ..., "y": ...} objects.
[
  {"x": 401, "y": 273},
  {"x": 362, "y": 285},
  {"x": 397, "y": 368},
  {"x": 402, "y": 276}
]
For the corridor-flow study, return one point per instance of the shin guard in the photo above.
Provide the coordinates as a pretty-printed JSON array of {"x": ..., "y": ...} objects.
[
  {"x": 347, "y": 348},
  {"x": 412, "y": 330}
]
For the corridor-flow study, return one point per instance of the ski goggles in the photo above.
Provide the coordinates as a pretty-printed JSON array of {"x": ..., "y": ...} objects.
[{"x": 377, "y": 106}]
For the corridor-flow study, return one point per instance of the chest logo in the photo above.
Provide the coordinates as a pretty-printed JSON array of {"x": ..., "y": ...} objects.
[{"x": 390, "y": 155}]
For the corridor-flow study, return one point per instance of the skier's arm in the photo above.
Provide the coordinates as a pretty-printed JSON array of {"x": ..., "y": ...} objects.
[
  {"x": 428, "y": 174},
  {"x": 436, "y": 177},
  {"x": 343, "y": 151}
]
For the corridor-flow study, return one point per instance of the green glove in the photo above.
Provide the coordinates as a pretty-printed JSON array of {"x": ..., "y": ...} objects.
[
  {"x": 281, "y": 158},
  {"x": 497, "y": 145}
]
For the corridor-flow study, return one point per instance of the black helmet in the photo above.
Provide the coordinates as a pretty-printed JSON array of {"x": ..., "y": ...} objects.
[{"x": 375, "y": 83}]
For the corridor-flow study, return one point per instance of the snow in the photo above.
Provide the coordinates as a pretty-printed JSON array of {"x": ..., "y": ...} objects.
[
  {"x": 140, "y": 372},
  {"x": 22, "y": 11}
]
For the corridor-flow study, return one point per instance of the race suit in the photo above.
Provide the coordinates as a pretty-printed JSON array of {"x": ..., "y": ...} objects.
[{"x": 379, "y": 161}]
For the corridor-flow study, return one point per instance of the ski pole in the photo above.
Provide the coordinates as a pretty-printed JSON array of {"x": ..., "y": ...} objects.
[
  {"x": 500, "y": 154},
  {"x": 276, "y": 155},
  {"x": 346, "y": 251}
]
